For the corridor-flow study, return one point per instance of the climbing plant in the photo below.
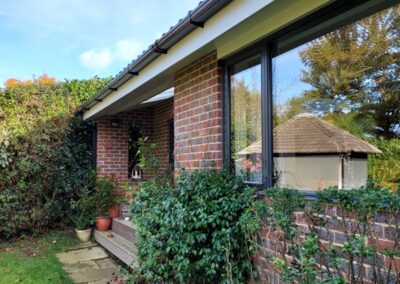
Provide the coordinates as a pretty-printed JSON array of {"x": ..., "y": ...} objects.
[{"x": 339, "y": 237}]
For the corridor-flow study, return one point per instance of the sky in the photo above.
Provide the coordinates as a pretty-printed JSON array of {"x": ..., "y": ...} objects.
[{"x": 77, "y": 39}]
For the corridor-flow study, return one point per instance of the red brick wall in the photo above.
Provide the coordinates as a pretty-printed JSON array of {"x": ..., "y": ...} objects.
[
  {"x": 162, "y": 114},
  {"x": 198, "y": 114},
  {"x": 112, "y": 143}
]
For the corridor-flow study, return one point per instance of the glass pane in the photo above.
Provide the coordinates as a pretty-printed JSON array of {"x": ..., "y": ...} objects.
[
  {"x": 135, "y": 133},
  {"x": 246, "y": 119},
  {"x": 336, "y": 108}
]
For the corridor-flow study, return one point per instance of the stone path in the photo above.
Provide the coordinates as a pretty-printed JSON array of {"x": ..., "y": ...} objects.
[{"x": 88, "y": 263}]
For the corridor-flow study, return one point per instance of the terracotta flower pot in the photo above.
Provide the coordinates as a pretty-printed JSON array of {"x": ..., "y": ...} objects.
[
  {"x": 114, "y": 211},
  {"x": 103, "y": 223},
  {"x": 84, "y": 235}
]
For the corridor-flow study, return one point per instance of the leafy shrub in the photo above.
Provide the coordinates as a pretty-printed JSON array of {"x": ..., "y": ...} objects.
[
  {"x": 105, "y": 195},
  {"x": 44, "y": 151},
  {"x": 4, "y": 156},
  {"x": 84, "y": 210},
  {"x": 199, "y": 232}
]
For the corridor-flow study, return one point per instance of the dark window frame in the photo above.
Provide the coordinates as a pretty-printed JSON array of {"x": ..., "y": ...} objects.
[
  {"x": 171, "y": 142},
  {"x": 93, "y": 136},
  {"x": 268, "y": 49}
]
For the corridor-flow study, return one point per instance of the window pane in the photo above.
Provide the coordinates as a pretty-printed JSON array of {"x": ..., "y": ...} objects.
[
  {"x": 336, "y": 107},
  {"x": 246, "y": 119},
  {"x": 135, "y": 133}
]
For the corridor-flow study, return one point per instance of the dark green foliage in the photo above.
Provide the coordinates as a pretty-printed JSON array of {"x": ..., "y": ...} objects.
[
  {"x": 105, "y": 195},
  {"x": 199, "y": 232},
  {"x": 280, "y": 212},
  {"x": 45, "y": 152},
  {"x": 84, "y": 210},
  {"x": 95, "y": 202}
]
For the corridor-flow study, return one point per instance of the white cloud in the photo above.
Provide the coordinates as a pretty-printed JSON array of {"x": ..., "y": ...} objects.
[
  {"x": 96, "y": 59},
  {"x": 100, "y": 59},
  {"x": 127, "y": 49}
]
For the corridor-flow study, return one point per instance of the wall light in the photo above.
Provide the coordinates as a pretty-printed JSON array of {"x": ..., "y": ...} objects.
[{"x": 114, "y": 123}]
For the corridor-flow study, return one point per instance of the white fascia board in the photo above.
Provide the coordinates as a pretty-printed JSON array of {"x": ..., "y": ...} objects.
[
  {"x": 230, "y": 16},
  {"x": 265, "y": 22}
]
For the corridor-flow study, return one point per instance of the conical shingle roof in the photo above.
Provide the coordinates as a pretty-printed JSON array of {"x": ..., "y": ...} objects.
[{"x": 309, "y": 134}]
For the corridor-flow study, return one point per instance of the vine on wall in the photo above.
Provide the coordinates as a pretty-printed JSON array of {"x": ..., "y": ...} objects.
[{"x": 343, "y": 237}]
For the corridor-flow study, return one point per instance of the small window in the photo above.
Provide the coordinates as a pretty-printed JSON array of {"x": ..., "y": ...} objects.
[{"x": 135, "y": 133}]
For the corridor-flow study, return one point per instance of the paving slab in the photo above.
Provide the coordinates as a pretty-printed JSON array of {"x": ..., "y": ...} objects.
[
  {"x": 80, "y": 266},
  {"x": 88, "y": 263},
  {"x": 105, "y": 263},
  {"x": 93, "y": 275},
  {"x": 104, "y": 281},
  {"x": 84, "y": 254}
]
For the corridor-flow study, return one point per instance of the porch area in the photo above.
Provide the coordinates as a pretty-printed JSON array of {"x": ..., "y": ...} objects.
[
  {"x": 117, "y": 144},
  {"x": 185, "y": 123},
  {"x": 118, "y": 139}
]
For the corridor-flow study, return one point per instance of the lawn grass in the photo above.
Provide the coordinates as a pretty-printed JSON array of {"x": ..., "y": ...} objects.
[{"x": 32, "y": 259}]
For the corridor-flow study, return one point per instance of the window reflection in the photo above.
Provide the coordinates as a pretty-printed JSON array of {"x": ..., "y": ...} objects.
[
  {"x": 246, "y": 119},
  {"x": 336, "y": 107}
]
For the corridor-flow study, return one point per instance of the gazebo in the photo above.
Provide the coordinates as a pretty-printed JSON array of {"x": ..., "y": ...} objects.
[{"x": 310, "y": 153}]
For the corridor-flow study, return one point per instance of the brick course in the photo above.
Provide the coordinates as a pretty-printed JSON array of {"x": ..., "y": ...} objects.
[
  {"x": 162, "y": 114},
  {"x": 198, "y": 114}
]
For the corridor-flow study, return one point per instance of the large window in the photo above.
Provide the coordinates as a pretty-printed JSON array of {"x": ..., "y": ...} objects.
[{"x": 331, "y": 117}]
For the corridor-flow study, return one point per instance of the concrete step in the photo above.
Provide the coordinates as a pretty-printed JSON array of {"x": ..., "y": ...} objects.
[
  {"x": 124, "y": 228},
  {"x": 120, "y": 247}
]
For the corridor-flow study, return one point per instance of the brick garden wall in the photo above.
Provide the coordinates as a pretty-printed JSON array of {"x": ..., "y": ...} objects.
[
  {"x": 198, "y": 114},
  {"x": 338, "y": 223}
]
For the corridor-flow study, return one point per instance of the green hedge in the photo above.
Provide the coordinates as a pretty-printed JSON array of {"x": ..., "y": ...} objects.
[{"x": 45, "y": 152}]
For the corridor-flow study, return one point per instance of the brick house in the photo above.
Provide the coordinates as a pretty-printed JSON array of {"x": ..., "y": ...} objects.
[{"x": 220, "y": 79}]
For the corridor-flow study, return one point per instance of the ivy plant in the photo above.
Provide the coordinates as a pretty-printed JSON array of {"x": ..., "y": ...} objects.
[{"x": 199, "y": 231}]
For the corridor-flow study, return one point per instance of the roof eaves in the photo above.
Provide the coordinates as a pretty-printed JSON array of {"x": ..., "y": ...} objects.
[{"x": 194, "y": 19}]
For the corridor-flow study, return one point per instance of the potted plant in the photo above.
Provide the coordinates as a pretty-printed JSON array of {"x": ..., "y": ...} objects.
[
  {"x": 84, "y": 215},
  {"x": 119, "y": 199},
  {"x": 104, "y": 197}
]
